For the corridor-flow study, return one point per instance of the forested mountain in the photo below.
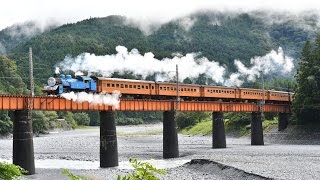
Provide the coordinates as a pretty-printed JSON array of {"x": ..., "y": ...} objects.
[
  {"x": 221, "y": 37},
  {"x": 17, "y": 34}
]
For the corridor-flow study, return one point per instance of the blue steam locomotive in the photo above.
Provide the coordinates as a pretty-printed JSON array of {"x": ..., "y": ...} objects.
[{"x": 66, "y": 83}]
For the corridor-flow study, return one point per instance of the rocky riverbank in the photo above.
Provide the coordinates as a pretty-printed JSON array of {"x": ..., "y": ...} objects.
[{"x": 78, "y": 150}]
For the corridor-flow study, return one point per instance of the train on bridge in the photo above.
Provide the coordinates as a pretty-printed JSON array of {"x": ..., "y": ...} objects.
[{"x": 161, "y": 90}]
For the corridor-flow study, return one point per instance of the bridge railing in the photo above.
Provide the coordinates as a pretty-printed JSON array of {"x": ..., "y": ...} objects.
[{"x": 47, "y": 103}]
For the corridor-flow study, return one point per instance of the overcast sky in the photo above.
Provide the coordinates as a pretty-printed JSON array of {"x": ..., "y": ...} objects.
[{"x": 17, "y": 11}]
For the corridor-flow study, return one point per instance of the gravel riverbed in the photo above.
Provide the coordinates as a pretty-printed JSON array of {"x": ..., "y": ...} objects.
[{"x": 78, "y": 150}]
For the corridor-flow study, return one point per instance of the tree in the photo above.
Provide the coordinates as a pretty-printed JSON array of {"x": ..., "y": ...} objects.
[
  {"x": 5, "y": 123},
  {"x": 82, "y": 118},
  {"x": 70, "y": 120},
  {"x": 40, "y": 123},
  {"x": 306, "y": 103}
]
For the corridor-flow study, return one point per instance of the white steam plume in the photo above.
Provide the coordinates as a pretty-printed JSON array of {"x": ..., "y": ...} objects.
[
  {"x": 144, "y": 65},
  {"x": 274, "y": 62},
  {"x": 57, "y": 70},
  {"x": 99, "y": 99}
]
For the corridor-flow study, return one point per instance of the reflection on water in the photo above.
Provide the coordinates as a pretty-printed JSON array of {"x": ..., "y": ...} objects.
[{"x": 75, "y": 164}]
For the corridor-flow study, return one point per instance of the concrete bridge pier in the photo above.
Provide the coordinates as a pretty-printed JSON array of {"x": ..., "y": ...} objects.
[
  {"x": 23, "y": 153},
  {"x": 170, "y": 136},
  {"x": 108, "y": 140},
  {"x": 256, "y": 129},
  {"x": 218, "y": 131},
  {"x": 283, "y": 121}
]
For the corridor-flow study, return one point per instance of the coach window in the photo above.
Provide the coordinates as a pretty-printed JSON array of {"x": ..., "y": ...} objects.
[
  {"x": 126, "y": 85},
  {"x": 142, "y": 86},
  {"x": 108, "y": 85},
  {"x": 117, "y": 85},
  {"x": 121, "y": 86},
  {"x": 130, "y": 86},
  {"x": 138, "y": 86},
  {"x": 152, "y": 87},
  {"x": 134, "y": 86},
  {"x": 147, "y": 87},
  {"x": 160, "y": 88},
  {"x": 171, "y": 88},
  {"x": 112, "y": 85}
]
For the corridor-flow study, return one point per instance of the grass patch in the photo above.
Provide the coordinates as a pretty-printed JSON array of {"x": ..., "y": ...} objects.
[
  {"x": 232, "y": 127},
  {"x": 140, "y": 133},
  {"x": 201, "y": 128}
]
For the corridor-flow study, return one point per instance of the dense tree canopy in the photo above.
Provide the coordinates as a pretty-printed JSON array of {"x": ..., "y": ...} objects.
[{"x": 307, "y": 92}]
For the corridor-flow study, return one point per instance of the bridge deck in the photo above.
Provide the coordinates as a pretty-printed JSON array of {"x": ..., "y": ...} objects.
[{"x": 47, "y": 103}]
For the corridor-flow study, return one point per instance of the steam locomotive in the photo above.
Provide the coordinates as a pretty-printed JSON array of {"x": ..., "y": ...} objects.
[
  {"x": 160, "y": 90},
  {"x": 65, "y": 83}
]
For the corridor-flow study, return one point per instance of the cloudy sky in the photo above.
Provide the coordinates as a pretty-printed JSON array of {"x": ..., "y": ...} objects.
[{"x": 17, "y": 11}]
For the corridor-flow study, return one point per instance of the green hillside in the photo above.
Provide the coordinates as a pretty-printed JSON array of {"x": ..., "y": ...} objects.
[{"x": 219, "y": 37}]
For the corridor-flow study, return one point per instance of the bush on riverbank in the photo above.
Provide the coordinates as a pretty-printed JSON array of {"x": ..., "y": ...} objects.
[
  {"x": 82, "y": 119},
  {"x": 189, "y": 119}
]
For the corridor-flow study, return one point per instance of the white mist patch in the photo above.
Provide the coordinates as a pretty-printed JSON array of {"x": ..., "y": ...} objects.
[
  {"x": 99, "y": 99},
  {"x": 2, "y": 49},
  {"x": 187, "y": 23},
  {"x": 274, "y": 62},
  {"x": 144, "y": 65}
]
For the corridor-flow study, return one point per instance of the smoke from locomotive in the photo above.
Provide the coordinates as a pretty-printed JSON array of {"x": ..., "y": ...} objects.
[{"x": 190, "y": 66}]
